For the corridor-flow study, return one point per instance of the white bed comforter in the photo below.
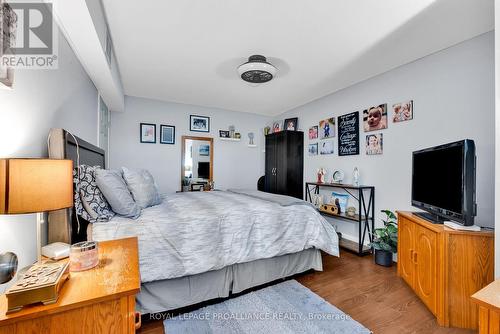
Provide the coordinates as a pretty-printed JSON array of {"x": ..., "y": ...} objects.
[{"x": 192, "y": 233}]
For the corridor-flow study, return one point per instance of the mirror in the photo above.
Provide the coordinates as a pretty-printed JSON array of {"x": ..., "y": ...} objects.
[{"x": 197, "y": 163}]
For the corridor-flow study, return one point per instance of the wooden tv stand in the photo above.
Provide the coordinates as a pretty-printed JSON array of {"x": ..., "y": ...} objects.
[{"x": 445, "y": 267}]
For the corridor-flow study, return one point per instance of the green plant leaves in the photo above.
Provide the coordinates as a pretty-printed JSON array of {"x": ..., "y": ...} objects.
[
  {"x": 390, "y": 215},
  {"x": 391, "y": 229},
  {"x": 386, "y": 247},
  {"x": 386, "y": 238},
  {"x": 380, "y": 232}
]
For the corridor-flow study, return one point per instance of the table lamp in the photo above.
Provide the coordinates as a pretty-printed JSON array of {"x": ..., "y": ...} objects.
[{"x": 33, "y": 186}]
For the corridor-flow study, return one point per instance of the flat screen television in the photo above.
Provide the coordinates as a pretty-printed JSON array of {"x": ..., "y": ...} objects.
[
  {"x": 444, "y": 182},
  {"x": 204, "y": 170}
]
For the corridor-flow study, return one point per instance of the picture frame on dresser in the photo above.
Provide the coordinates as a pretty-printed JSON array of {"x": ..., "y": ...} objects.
[
  {"x": 147, "y": 133},
  {"x": 167, "y": 134},
  {"x": 291, "y": 124}
]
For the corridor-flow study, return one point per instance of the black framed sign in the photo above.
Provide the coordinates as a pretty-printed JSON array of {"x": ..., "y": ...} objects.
[{"x": 348, "y": 126}]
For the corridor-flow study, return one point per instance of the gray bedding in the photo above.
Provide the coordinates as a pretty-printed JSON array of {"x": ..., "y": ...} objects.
[
  {"x": 197, "y": 232},
  {"x": 278, "y": 199}
]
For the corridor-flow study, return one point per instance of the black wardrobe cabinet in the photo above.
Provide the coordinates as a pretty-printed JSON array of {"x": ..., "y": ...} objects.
[{"x": 285, "y": 163}]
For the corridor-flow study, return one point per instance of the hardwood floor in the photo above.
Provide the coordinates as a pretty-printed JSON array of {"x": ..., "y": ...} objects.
[{"x": 371, "y": 294}]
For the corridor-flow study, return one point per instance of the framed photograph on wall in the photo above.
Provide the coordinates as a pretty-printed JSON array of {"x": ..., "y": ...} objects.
[
  {"x": 167, "y": 134},
  {"x": 204, "y": 150},
  {"x": 327, "y": 128},
  {"x": 313, "y": 149},
  {"x": 148, "y": 133},
  {"x": 313, "y": 132},
  {"x": 402, "y": 111},
  {"x": 375, "y": 118},
  {"x": 374, "y": 144},
  {"x": 199, "y": 123},
  {"x": 326, "y": 147}
]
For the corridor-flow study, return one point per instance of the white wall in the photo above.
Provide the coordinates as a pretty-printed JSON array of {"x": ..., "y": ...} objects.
[
  {"x": 453, "y": 93},
  {"x": 235, "y": 164},
  {"x": 42, "y": 99},
  {"x": 497, "y": 140}
]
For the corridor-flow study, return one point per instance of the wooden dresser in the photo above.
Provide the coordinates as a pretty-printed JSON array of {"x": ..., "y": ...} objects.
[
  {"x": 488, "y": 300},
  {"x": 99, "y": 300},
  {"x": 445, "y": 267}
]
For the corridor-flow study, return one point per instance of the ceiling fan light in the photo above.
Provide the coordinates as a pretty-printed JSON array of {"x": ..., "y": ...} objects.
[{"x": 257, "y": 70}]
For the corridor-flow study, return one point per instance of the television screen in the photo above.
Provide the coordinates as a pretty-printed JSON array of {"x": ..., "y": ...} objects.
[
  {"x": 438, "y": 178},
  {"x": 204, "y": 170}
]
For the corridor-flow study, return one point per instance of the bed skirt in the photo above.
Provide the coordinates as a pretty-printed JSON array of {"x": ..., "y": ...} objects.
[{"x": 175, "y": 293}]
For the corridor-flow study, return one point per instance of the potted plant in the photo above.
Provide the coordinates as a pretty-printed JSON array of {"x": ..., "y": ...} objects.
[{"x": 385, "y": 241}]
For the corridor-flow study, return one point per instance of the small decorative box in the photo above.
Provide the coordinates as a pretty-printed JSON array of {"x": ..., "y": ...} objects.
[
  {"x": 83, "y": 256},
  {"x": 329, "y": 208},
  {"x": 41, "y": 283}
]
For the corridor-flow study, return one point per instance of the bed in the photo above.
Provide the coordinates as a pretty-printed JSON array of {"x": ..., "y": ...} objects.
[{"x": 199, "y": 246}]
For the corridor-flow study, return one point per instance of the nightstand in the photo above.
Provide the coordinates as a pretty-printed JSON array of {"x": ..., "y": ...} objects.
[{"x": 99, "y": 300}]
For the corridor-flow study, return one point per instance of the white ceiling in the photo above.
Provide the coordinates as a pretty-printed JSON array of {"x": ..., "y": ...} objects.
[{"x": 187, "y": 51}]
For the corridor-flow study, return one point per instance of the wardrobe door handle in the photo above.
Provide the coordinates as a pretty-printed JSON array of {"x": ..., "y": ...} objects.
[
  {"x": 415, "y": 257},
  {"x": 411, "y": 255}
]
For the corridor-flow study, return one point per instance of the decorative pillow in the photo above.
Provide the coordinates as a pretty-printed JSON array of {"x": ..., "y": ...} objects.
[
  {"x": 90, "y": 203},
  {"x": 114, "y": 188},
  {"x": 142, "y": 186}
]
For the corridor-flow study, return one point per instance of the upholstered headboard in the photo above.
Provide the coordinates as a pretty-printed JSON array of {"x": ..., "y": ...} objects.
[{"x": 63, "y": 225}]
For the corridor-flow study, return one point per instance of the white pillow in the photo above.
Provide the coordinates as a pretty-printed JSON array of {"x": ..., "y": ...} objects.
[
  {"x": 142, "y": 186},
  {"x": 114, "y": 188}
]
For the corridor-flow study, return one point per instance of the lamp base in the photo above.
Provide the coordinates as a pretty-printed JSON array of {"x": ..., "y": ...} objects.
[
  {"x": 8, "y": 266},
  {"x": 39, "y": 221}
]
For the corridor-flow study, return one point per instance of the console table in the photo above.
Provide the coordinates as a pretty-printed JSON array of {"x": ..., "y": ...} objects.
[
  {"x": 365, "y": 196},
  {"x": 445, "y": 267}
]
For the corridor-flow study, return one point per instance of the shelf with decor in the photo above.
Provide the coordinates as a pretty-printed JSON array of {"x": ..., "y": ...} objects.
[
  {"x": 354, "y": 218},
  {"x": 230, "y": 139},
  {"x": 365, "y": 197},
  {"x": 353, "y": 246}
]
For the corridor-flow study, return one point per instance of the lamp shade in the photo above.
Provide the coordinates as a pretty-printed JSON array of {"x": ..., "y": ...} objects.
[{"x": 35, "y": 185}]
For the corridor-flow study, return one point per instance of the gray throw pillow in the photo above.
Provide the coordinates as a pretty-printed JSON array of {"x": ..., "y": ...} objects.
[
  {"x": 114, "y": 188},
  {"x": 142, "y": 186}
]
